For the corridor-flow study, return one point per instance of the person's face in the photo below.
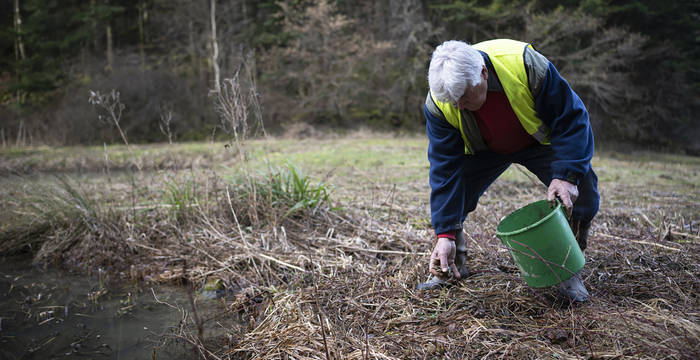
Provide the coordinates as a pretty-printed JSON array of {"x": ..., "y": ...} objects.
[{"x": 474, "y": 96}]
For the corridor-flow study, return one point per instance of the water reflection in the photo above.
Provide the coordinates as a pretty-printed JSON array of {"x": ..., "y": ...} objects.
[{"x": 55, "y": 314}]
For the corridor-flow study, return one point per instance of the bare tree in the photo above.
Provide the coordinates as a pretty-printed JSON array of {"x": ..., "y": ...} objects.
[
  {"x": 93, "y": 27},
  {"x": 323, "y": 62},
  {"x": 143, "y": 15},
  {"x": 409, "y": 34},
  {"x": 165, "y": 112},
  {"x": 109, "y": 49},
  {"x": 112, "y": 106},
  {"x": 253, "y": 95},
  {"x": 19, "y": 55},
  {"x": 231, "y": 105},
  {"x": 595, "y": 59},
  {"x": 214, "y": 46},
  {"x": 19, "y": 44}
]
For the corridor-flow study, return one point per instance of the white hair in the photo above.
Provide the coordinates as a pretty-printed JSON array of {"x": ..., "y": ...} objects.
[{"x": 454, "y": 64}]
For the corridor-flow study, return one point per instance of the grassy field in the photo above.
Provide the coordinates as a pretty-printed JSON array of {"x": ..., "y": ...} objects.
[{"x": 320, "y": 243}]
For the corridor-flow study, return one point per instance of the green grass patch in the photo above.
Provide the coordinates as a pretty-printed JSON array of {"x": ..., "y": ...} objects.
[{"x": 289, "y": 187}]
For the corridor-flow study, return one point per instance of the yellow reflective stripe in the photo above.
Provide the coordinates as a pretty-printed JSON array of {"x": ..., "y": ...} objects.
[
  {"x": 506, "y": 56},
  {"x": 454, "y": 118}
]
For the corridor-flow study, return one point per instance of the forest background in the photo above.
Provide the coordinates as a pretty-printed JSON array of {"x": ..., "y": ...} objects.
[{"x": 314, "y": 66}]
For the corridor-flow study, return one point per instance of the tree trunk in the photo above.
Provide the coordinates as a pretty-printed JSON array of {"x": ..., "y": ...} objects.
[
  {"x": 19, "y": 44},
  {"x": 20, "y": 129},
  {"x": 214, "y": 47},
  {"x": 191, "y": 49},
  {"x": 93, "y": 27},
  {"x": 110, "y": 57},
  {"x": 19, "y": 55},
  {"x": 142, "y": 16}
]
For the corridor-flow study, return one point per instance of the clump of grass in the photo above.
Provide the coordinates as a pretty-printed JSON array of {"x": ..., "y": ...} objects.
[
  {"x": 64, "y": 203},
  {"x": 72, "y": 217},
  {"x": 47, "y": 208},
  {"x": 63, "y": 224},
  {"x": 289, "y": 187},
  {"x": 181, "y": 198},
  {"x": 280, "y": 195}
]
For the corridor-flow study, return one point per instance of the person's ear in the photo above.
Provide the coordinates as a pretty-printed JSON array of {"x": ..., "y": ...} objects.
[{"x": 484, "y": 73}]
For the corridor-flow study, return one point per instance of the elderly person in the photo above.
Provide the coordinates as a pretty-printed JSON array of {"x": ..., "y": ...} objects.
[{"x": 492, "y": 104}]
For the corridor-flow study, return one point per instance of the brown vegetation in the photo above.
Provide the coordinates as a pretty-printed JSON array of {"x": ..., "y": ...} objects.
[{"x": 324, "y": 281}]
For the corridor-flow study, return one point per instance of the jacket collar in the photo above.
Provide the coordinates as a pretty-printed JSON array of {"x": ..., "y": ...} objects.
[{"x": 492, "y": 83}]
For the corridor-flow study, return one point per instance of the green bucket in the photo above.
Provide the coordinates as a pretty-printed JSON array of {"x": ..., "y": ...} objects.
[{"x": 541, "y": 243}]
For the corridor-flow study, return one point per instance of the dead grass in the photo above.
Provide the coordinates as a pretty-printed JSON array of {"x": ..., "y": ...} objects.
[{"x": 339, "y": 283}]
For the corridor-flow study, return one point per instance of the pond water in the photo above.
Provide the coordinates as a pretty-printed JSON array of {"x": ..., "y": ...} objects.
[{"x": 53, "y": 314}]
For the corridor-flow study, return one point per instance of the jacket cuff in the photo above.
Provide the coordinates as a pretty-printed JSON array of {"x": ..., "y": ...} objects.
[
  {"x": 442, "y": 229},
  {"x": 452, "y": 234},
  {"x": 568, "y": 175}
]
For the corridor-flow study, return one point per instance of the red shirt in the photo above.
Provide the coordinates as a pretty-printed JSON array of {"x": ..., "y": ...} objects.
[{"x": 500, "y": 127}]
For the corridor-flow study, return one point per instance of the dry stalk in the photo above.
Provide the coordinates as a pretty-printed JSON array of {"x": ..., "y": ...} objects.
[
  {"x": 111, "y": 104},
  {"x": 233, "y": 212}
]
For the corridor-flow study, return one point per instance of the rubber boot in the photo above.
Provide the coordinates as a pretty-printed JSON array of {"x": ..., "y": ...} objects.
[
  {"x": 574, "y": 290},
  {"x": 580, "y": 230},
  {"x": 460, "y": 261}
]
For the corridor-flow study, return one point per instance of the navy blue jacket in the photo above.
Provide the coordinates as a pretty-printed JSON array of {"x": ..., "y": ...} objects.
[{"x": 556, "y": 104}]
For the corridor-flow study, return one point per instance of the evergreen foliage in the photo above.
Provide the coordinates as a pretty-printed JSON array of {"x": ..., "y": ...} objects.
[{"x": 332, "y": 63}]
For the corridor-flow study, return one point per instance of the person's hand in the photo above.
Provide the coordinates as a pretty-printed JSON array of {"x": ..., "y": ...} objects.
[
  {"x": 566, "y": 191},
  {"x": 443, "y": 258}
]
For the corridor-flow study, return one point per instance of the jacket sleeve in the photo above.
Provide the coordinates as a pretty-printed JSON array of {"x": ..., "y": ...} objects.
[
  {"x": 571, "y": 136},
  {"x": 446, "y": 157}
]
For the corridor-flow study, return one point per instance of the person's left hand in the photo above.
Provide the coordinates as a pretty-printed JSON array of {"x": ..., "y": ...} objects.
[{"x": 566, "y": 191}]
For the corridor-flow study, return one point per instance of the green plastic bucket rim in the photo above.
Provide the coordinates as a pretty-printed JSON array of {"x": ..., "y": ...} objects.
[{"x": 538, "y": 222}]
